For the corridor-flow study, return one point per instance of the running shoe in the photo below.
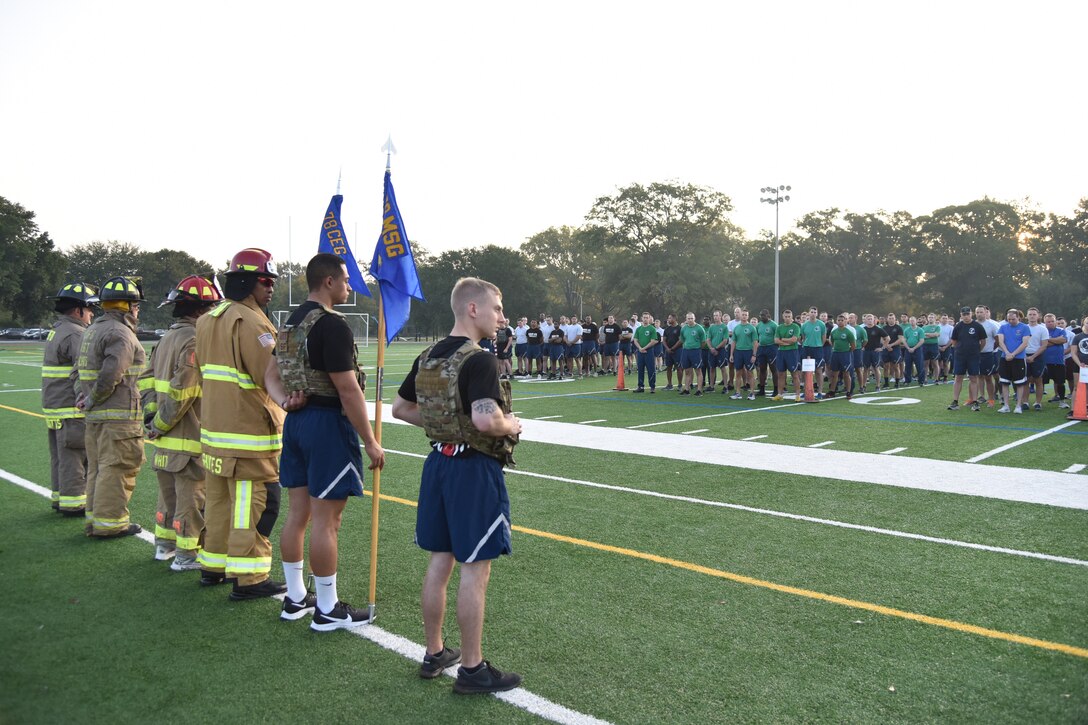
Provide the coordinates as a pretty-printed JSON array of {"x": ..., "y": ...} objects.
[
  {"x": 435, "y": 665},
  {"x": 954, "y": 406},
  {"x": 293, "y": 610},
  {"x": 342, "y": 616},
  {"x": 1005, "y": 409},
  {"x": 164, "y": 552},
  {"x": 485, "y": 679}
]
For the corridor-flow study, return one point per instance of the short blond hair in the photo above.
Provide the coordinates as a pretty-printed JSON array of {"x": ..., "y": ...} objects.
[{"x": 470, "y": 289}]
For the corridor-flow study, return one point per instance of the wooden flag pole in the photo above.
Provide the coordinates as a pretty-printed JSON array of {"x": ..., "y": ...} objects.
[{"x": 377, "y": 486}]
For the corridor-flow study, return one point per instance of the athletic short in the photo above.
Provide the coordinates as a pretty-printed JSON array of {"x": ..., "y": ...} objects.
[
  {"x": 742, "y": 360},
  {"x": 720, "y": 360},
  {"x": 826, "y": 358},
  {"x": 1013, "y": 371},
  {"x": 872, "y": 358},
  {"x": 945, "y": 355},
  {"x": 626, "y": 347},
  {"x": 931, "y": 352},
  {"x": 842, "y": 361},
  {"x": 589, "y": 348},
  {"x": 503, "y": 355},
  {"x": 520, "y": 348},
  {"x": 1036, "y": 367},
  {"x": 611, "y": 349},
  {"x": 659, "y": 350},
  {"x": 765, "y": 354},
  {"x": 859, "y": 359},
  {"x": 463, "y": 507},
  {"x": 967, "y": 364},
  {"x": 816, "y": 353},
  {"x": 704, "y": 358},
  {"x": 893, "y": 356},
  {"x": 672, "y": 358},
  {"x": 987, "y": 363},
  {"x": 690, "y": 359},
  {"x": 788, "y": 360},
  {"x": 575, "y": 350},
  {"x": 556, "y": 351},
  {"x": 321, "y": 452},
  {"x": 533, "y": 352}
]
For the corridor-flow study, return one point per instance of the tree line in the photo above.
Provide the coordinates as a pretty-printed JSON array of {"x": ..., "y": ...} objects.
[{"x": 663, "y": 247}]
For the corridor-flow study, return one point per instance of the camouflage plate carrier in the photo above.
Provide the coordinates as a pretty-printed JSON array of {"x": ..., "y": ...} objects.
[
  {"x": 293, "y": 358},
  {"x": 440, "y": 405}
]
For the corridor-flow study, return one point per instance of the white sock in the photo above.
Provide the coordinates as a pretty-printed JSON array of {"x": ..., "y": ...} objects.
[
  {"x": 326, "y": 593},
  {"x": 296, "y": 585}
]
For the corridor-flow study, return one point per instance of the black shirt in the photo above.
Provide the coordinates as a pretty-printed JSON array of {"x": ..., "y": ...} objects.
[
  {"x": 330, "y": 347},
  {"x": 894, "y": 332},
  {"x": 969, "y": 337},
  {"x": 557, "y": 336},
  {"x": 589, "y": 332},
  {"x": 626, "y": 333},
  {"x": 478, "y": 379},
  {"x": 502, "y": 336},
  {"x": 672, "y": 336},
  {"x": 876, "y": 337},
  {"x": 611, "y": 333},
  {"x": 534, "y": 336}
]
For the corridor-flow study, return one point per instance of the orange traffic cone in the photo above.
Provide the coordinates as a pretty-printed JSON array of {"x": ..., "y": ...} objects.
[
  {"x": 619, "y": 373},
  {"x": 1080, "y": 402}
]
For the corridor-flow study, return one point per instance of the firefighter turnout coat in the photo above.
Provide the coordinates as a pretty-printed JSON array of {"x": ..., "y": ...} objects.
[{"x": 67, "y": 452}]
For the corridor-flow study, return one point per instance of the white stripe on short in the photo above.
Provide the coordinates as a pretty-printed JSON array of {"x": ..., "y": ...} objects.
[
  {"x": 349, "y": 467},
  {"x": 494, "y": 525}
]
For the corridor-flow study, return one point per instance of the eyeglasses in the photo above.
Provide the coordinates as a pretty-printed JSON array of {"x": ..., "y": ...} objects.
[{"x": 267, "y": 281}]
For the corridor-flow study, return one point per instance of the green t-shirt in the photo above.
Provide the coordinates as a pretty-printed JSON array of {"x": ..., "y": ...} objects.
[
  {"x": 813, "y": 333},
  {"x": 783, "y": 331},
  {"x": 929, "y": 329},
  {"x": 765, "y": 332},
  {"x": 717, "y": 333},
  {"x": 645, "y": 333},
  {"x": 861, "y": 335},
  {"x": 693, "y": 336},
  {"x": 842, "y": 339},
  {"x": 744, "y": 335},
  {"x": 911, "y": 335}
]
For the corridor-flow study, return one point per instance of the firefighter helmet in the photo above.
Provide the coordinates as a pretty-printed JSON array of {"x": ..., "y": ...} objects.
[
  {"x": 81, "y": 292},
  {"x": 125, "y": 289},
  {"x": 193, "y": 289},
  {"x": 253, "y": 261}
]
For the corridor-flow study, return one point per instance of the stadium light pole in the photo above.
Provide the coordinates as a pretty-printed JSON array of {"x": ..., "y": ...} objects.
[{"x": 776, "y": 197}]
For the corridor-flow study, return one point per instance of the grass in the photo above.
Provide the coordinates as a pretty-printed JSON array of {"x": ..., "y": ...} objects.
[{"x": 114, "y": 636}]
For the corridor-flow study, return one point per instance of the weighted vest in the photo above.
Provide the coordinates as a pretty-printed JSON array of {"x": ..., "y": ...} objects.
[
  {"x": 293, "y": 358},
  {"x": 442, "y": 410}
]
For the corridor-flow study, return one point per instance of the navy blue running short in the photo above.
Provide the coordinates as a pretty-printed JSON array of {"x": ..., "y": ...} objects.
[
  {"x": 463, "y": 507},
  {"x": 321, "y": 452}
]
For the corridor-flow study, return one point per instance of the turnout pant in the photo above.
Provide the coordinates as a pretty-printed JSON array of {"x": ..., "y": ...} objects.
[
  {"x": 115, "y": 452},
  {"x": 179, "y": 519},
  {"x": 68, "y": 463},
  {"x": 242, "y": 497}
]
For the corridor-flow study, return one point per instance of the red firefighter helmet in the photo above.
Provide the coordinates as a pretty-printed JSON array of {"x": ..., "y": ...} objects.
[
  {"x": 193, "y": 289},
  {"x": 253, "y": 261}
]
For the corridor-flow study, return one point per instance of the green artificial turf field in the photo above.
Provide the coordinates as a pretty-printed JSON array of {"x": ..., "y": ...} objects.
[{"x": 645, "y": 586}]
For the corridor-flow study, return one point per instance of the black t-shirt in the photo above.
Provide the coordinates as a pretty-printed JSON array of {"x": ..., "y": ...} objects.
[
  {"x": 611, "y": 333},
  {"x": 330, "y": 346},
  {"x": 1080, "y": 343},
  {"x": 969, "y": 337},
  {"x": 876, "y": 337},
  {"x": 556, "y": 336},
  {"x": 589, "y": 332},
  {"x": 626, "y": 333},
  {"x": 894, "y": 332},
  {"x": 501, "y": 337},
  {"x": 534, "y": 336},
  {"x": 672, "y": 336},
  {"x": 478, "y": 379}
]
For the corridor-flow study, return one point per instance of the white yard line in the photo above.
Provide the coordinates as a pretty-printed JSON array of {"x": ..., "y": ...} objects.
[
  {"x": 1075, "y": 468},
  {"x": 587, "y": 422},
  {"x": 562, "y": 395},
  {"x": 1051, "y": 488},
  {"x": 519, "y": 697},
  {"x": 786, "y": 515},
  {"x": 24, "y": 390},
  {"x": 821, "y": 445},
  {"x": 893, "y": 450},
  {"x": 1022, "y": 441},
  {"x": 753, "y": 438},
  {"x": 693, "y": 432},
  {"x": 548, "y": 417}
]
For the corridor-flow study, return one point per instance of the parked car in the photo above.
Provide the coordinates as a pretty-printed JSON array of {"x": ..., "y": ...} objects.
[
  {"x": 12, "y": 333},
  {"x": 35, "y": 333}
]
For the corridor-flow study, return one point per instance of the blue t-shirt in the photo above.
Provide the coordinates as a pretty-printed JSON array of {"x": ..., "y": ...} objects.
[
  {"x": 1014, "y": 337},
  {"x": 1055, "y": 354}
]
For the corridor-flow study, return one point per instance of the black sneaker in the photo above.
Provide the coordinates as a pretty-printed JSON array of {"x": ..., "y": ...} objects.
[
  {"x": 267, "y": 588},
  {"x": 212, "y": 578},
  {"x": 954, "y": 406},
  {"x": 639, "y": 390},
  {"x": 342, "y": 616},
  {"x": 293, "y": 610},
  {"x": 698, "y": 393},
  {"x": 485, "y": 679},
  {"x": 435, "y": 665}
]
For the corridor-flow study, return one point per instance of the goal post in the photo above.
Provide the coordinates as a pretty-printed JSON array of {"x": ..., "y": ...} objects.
[{"x": 359, "y": 322}]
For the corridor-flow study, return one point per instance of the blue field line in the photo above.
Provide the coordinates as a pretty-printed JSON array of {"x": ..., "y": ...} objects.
[{"x": 808, "y": 412}]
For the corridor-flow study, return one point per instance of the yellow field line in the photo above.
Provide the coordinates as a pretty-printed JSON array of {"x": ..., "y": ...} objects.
[{"x": 763, "y": 584}]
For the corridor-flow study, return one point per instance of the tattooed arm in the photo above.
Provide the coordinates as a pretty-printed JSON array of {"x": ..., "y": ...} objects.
[{"x": 488, "y": 418}]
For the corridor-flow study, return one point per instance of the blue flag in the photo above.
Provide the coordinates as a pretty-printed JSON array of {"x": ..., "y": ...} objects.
[
  {"x": 394, "y": 267},
  {"x": 334, "y": 241}
]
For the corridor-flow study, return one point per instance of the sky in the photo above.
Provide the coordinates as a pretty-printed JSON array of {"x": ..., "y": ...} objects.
[{"x": 212, "y": 126}]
